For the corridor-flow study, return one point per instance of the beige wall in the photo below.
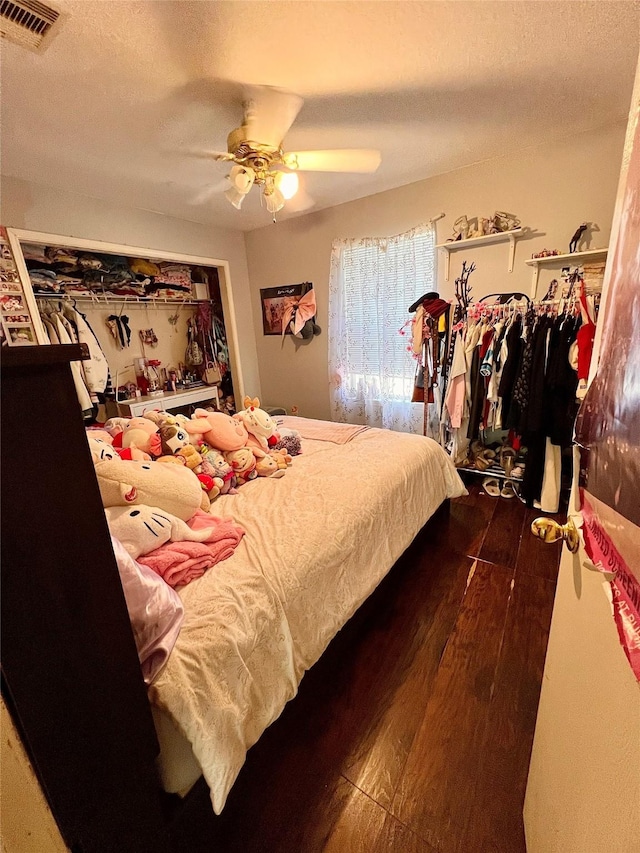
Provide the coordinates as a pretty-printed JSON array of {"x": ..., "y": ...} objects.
[
  {"x": 552, "y": 188},
  {"x": 27, "y": 825},
  {"x": 38, "y": 208}
]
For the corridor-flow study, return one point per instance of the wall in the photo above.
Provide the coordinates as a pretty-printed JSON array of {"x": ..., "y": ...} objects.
[
  {"x": 552, "y": 188},
  {"x": 27, "y": 823},
  {"x": 38, "y": 208}
]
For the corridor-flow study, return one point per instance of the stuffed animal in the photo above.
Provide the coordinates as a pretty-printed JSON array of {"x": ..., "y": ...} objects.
[
  {"x": 142, "y": 434},
  {"x": 267, "y": 466},
  {"x": 161, "y": 419},
  {"x": 283, "y": 458},
  {"x": 142, "y": 529},
  {"x": 102, "y": 434},
  {"x": 114, "y": 426},
  {"x": 290, "y": 440},
  {"x": 224, "y": 433},
  {"x": 257, "y": 422},
  {"x": 132, "y": 454},
  {"x": 101, "y": 450},
  {"x": 196, "y": 427},
  {"x": 243, "y": 464},
  {"x": 191, "y": 457},
  {"x": 172, "y": 488},
  {"x": 217, "y": 466},
  {"x": 173, "y": 438}
]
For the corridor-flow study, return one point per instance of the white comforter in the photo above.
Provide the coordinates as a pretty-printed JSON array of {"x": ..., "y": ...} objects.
[{"x": 318, "y": 541}]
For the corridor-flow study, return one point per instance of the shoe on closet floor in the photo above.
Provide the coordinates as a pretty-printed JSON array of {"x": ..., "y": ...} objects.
[
  {"x": 508, "y": 489},
  {"x": 491, "y": 486}
]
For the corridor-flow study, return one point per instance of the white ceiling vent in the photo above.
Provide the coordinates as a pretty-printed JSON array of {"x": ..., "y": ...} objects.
[{"x": 27, "y": 22}]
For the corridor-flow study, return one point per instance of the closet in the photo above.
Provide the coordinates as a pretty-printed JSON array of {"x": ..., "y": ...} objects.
[{"x": 159, "y": 326}]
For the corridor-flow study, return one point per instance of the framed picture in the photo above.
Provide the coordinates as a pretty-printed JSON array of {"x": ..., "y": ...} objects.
[{"x": 273, "y": 305}]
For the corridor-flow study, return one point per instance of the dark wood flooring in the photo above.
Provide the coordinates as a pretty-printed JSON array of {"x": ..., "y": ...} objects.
[{"x": 413, "y": 732}]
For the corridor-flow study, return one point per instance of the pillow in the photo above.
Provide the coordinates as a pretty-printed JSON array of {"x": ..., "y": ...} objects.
[{"x": 155, "y": 611}]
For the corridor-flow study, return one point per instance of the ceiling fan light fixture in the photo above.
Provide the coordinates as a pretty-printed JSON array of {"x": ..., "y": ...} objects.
[
  {"x": 242, "y": 178},
  {"x": 274, "y": 200},
  {"x": 235, "y": 197},
  {"x": 287, "y": 183}
]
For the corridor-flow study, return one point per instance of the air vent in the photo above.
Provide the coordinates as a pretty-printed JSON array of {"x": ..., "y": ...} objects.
[{"x": 27, "y": 22}]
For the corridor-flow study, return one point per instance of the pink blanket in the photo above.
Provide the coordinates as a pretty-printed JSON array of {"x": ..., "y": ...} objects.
[
  {"x": 321, "y": 430},
  {"x": 178, "y": 563}
]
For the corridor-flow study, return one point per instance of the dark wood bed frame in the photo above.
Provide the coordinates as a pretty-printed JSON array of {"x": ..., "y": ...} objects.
[{"x": 70, "y": 672}]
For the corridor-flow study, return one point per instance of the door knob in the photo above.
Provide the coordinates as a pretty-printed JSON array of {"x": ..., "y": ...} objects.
[{"x": 550, "y": 531}]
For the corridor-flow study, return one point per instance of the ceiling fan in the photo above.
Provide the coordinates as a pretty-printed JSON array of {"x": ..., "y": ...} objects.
[{"x": 255, "y": 149}]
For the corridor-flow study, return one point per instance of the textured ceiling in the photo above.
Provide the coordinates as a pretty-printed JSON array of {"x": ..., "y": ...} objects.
[{"x": 126, "y": 87}]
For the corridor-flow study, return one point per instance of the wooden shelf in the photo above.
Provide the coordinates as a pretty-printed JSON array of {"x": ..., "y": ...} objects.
[
  {"x": 570, "y": 259},
  {"x": 486, "y": 240}
]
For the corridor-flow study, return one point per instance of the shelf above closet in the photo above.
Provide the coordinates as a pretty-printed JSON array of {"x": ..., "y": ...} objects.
[
  {"x": 105, "y": 299},
  {"x": 574, "y": 259},
  {"x": 486, "y": 240}
]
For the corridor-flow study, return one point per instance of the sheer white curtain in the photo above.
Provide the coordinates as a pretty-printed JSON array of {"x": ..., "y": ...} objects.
[{"x": 373, "y": 281}]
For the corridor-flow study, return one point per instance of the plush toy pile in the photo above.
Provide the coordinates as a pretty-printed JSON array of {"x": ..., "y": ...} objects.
[{"x": 158, "y": 475}]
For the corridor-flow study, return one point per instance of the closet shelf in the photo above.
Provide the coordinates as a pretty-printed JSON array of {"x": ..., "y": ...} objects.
[
  {"x": 554, "y": 260},
  {"x": 106, "y": 299},
  {"x": 485, "y": 240}
]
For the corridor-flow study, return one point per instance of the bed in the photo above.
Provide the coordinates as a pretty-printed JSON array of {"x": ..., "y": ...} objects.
[
  {"x": 327, "y": 532},
  {"x": 318, "y": 542}
]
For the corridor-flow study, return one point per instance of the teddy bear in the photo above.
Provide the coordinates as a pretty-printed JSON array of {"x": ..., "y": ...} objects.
[
  {"x": 283, "y": 459},
  {"x": 260, "y": 425},
  {"x": 192, "y": 459},
  {"x": 172, "y": 488}
]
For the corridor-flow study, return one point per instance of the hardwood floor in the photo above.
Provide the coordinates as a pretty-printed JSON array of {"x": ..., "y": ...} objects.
[{"x": 413, "y": 732}]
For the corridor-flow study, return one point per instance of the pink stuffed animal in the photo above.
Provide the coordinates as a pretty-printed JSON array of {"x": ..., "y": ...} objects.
[
  {"x": 142, "y": 434},
  {"x": 224, "y": 432}
]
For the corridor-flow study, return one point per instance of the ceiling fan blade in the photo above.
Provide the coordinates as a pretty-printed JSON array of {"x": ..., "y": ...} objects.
[
  {"x": 209, "y": 191},
  {"x": 206, "y": 154},
  {"x": 336, "y": 160},
  {"x": 269, "y": 112}
]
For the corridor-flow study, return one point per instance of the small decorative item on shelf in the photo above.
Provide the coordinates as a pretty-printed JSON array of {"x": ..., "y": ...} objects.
[
  {"x": 502, "y": 221},
  {"x": 465, "y": 228},
  {"x": 575, "y": 240},
  {"x": 546, "y": 253},
  {"x": 460, "y": 229}
]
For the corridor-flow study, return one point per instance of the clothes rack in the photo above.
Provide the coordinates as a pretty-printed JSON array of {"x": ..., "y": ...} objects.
[{"x": 514, "y": 380}]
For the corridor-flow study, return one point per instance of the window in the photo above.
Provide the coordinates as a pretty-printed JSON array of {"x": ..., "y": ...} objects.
[{"x": 373, "y": 282}]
